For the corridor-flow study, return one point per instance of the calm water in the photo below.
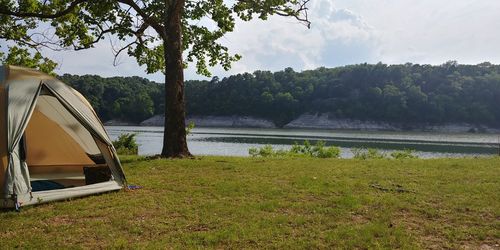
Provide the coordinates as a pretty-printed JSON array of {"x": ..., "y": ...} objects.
[{"x": 237, "y": 141}]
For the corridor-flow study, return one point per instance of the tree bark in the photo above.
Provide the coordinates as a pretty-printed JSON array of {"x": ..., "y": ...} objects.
[{"x": 174, "y": 135}]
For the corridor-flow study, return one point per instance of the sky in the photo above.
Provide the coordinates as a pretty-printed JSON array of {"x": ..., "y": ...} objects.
[{"x": 342, "y": 32}]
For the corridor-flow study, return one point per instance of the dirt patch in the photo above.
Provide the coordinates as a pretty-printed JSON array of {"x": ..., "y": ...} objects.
[
  {"x": 490, "y": 246},
  {"x": 358, "y": 218},
  {"x": 199, "y": 228},
  {"x": 60, "y": 221}
]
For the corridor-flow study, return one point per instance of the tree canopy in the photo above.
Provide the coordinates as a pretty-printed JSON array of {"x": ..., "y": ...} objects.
[
  {"x": 162, "y": 35},
  {"x": 409, "y": 93},
  {"x": 134, "y": 27}
]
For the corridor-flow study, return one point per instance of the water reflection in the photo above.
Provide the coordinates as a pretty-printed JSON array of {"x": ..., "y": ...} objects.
[{"x": 237, "y": 141}]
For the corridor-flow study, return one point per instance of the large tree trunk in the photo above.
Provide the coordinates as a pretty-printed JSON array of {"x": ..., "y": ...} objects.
[{"x": 174, "y": 136}]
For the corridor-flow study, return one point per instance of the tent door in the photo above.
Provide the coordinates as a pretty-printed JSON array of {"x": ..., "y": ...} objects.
[{"x": 60, "y": 151}]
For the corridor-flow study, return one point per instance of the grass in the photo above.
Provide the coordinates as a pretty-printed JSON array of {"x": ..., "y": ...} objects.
[{"x": 226, "y": 202}]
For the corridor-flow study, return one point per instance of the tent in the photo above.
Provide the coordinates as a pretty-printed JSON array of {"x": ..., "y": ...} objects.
[{"x": 52, "y": 144}]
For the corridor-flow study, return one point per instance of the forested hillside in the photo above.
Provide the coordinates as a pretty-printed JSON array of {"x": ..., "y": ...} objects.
[
  {"x": 132, "y": 99},
  {"x": 396, "y": 93}
]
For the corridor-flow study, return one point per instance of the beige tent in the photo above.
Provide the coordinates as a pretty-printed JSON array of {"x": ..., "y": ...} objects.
[{"x": 52, "y": 144}]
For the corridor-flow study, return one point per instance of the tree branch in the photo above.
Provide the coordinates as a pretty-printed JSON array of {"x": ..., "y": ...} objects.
[
  {"x": 147, "y": 18},
  {"x": 296, "y": 13},
  {"x": 300, "y": 13},
  {"x": 34, "y": 41},
  {"x": 101, "y": 34},
  {"x": 138, "y": 41},
  {"x": 117, "y": 52},
  {"x": 66, "y": 11}
]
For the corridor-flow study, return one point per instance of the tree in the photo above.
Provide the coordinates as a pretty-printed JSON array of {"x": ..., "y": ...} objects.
[
  {"x": 156, "y": 32},
  {"x": 422, "y": 94}
]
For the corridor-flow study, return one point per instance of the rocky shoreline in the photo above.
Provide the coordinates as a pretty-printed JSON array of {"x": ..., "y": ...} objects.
[
  {"x": 216, "y": 121},
  {"x": 315, "y": 121},
  {"x": 324, "y": 121},
  {"x": 119, "y": 123}
]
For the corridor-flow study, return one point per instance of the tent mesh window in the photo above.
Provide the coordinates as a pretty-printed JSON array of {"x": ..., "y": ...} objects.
[{"x": 59, "y": 150}]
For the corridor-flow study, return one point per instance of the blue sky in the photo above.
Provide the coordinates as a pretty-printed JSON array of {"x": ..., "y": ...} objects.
[{"x": 342, "y": 32}]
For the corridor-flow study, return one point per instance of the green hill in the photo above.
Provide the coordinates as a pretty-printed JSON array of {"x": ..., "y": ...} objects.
[{"x": 409, "y": 93}]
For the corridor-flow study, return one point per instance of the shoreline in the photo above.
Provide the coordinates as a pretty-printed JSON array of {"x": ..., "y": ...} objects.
[{"x": 315, "y": 122}]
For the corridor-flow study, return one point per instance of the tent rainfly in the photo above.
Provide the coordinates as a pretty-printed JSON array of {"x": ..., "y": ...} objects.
[{"x": 52, "y": 144}]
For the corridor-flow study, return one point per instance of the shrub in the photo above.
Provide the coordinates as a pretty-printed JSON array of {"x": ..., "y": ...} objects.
[
  {"x": 329, "y": 152},
  {"x": 306, "y": 150},
  {"x": 370, "y": 153},
  {"x": 189, "y": 127},
  {"x": 126, "y": 144},
  {"x": 266, "y": 151},
  {"x": 404, "y": 154}
]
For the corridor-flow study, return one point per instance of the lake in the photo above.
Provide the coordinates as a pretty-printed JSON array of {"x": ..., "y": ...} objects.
[{"x": 237, "y": 141}]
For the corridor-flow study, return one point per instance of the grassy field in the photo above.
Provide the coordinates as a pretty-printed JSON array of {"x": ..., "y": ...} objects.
[{"x": 225, "y": 202}]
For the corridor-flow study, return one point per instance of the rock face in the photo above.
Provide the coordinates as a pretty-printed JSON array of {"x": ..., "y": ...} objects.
[
  {"x": 157, "y": 120},
  {"x": 119, "y": 123},
  {"x": 324, "y": 121},
  {"x": 320, "y": 121},
  {"x": 230, "y": 121},
  {"x": 461, "y": 128},
  {"x": 216, "y": 121}
]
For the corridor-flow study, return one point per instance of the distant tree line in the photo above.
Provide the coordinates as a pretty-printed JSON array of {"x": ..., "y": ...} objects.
[
  {"x": 131, "y": 99},
  {"x": 406, "y": 93}
]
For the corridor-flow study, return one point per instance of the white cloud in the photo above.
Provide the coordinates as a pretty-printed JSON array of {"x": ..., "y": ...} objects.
[
  {"x": 342, "y": 32},
  {"x": 284, "y": 42},
  {"x": 99, "y": 61},
  {"x": 430, "y": 31}
]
